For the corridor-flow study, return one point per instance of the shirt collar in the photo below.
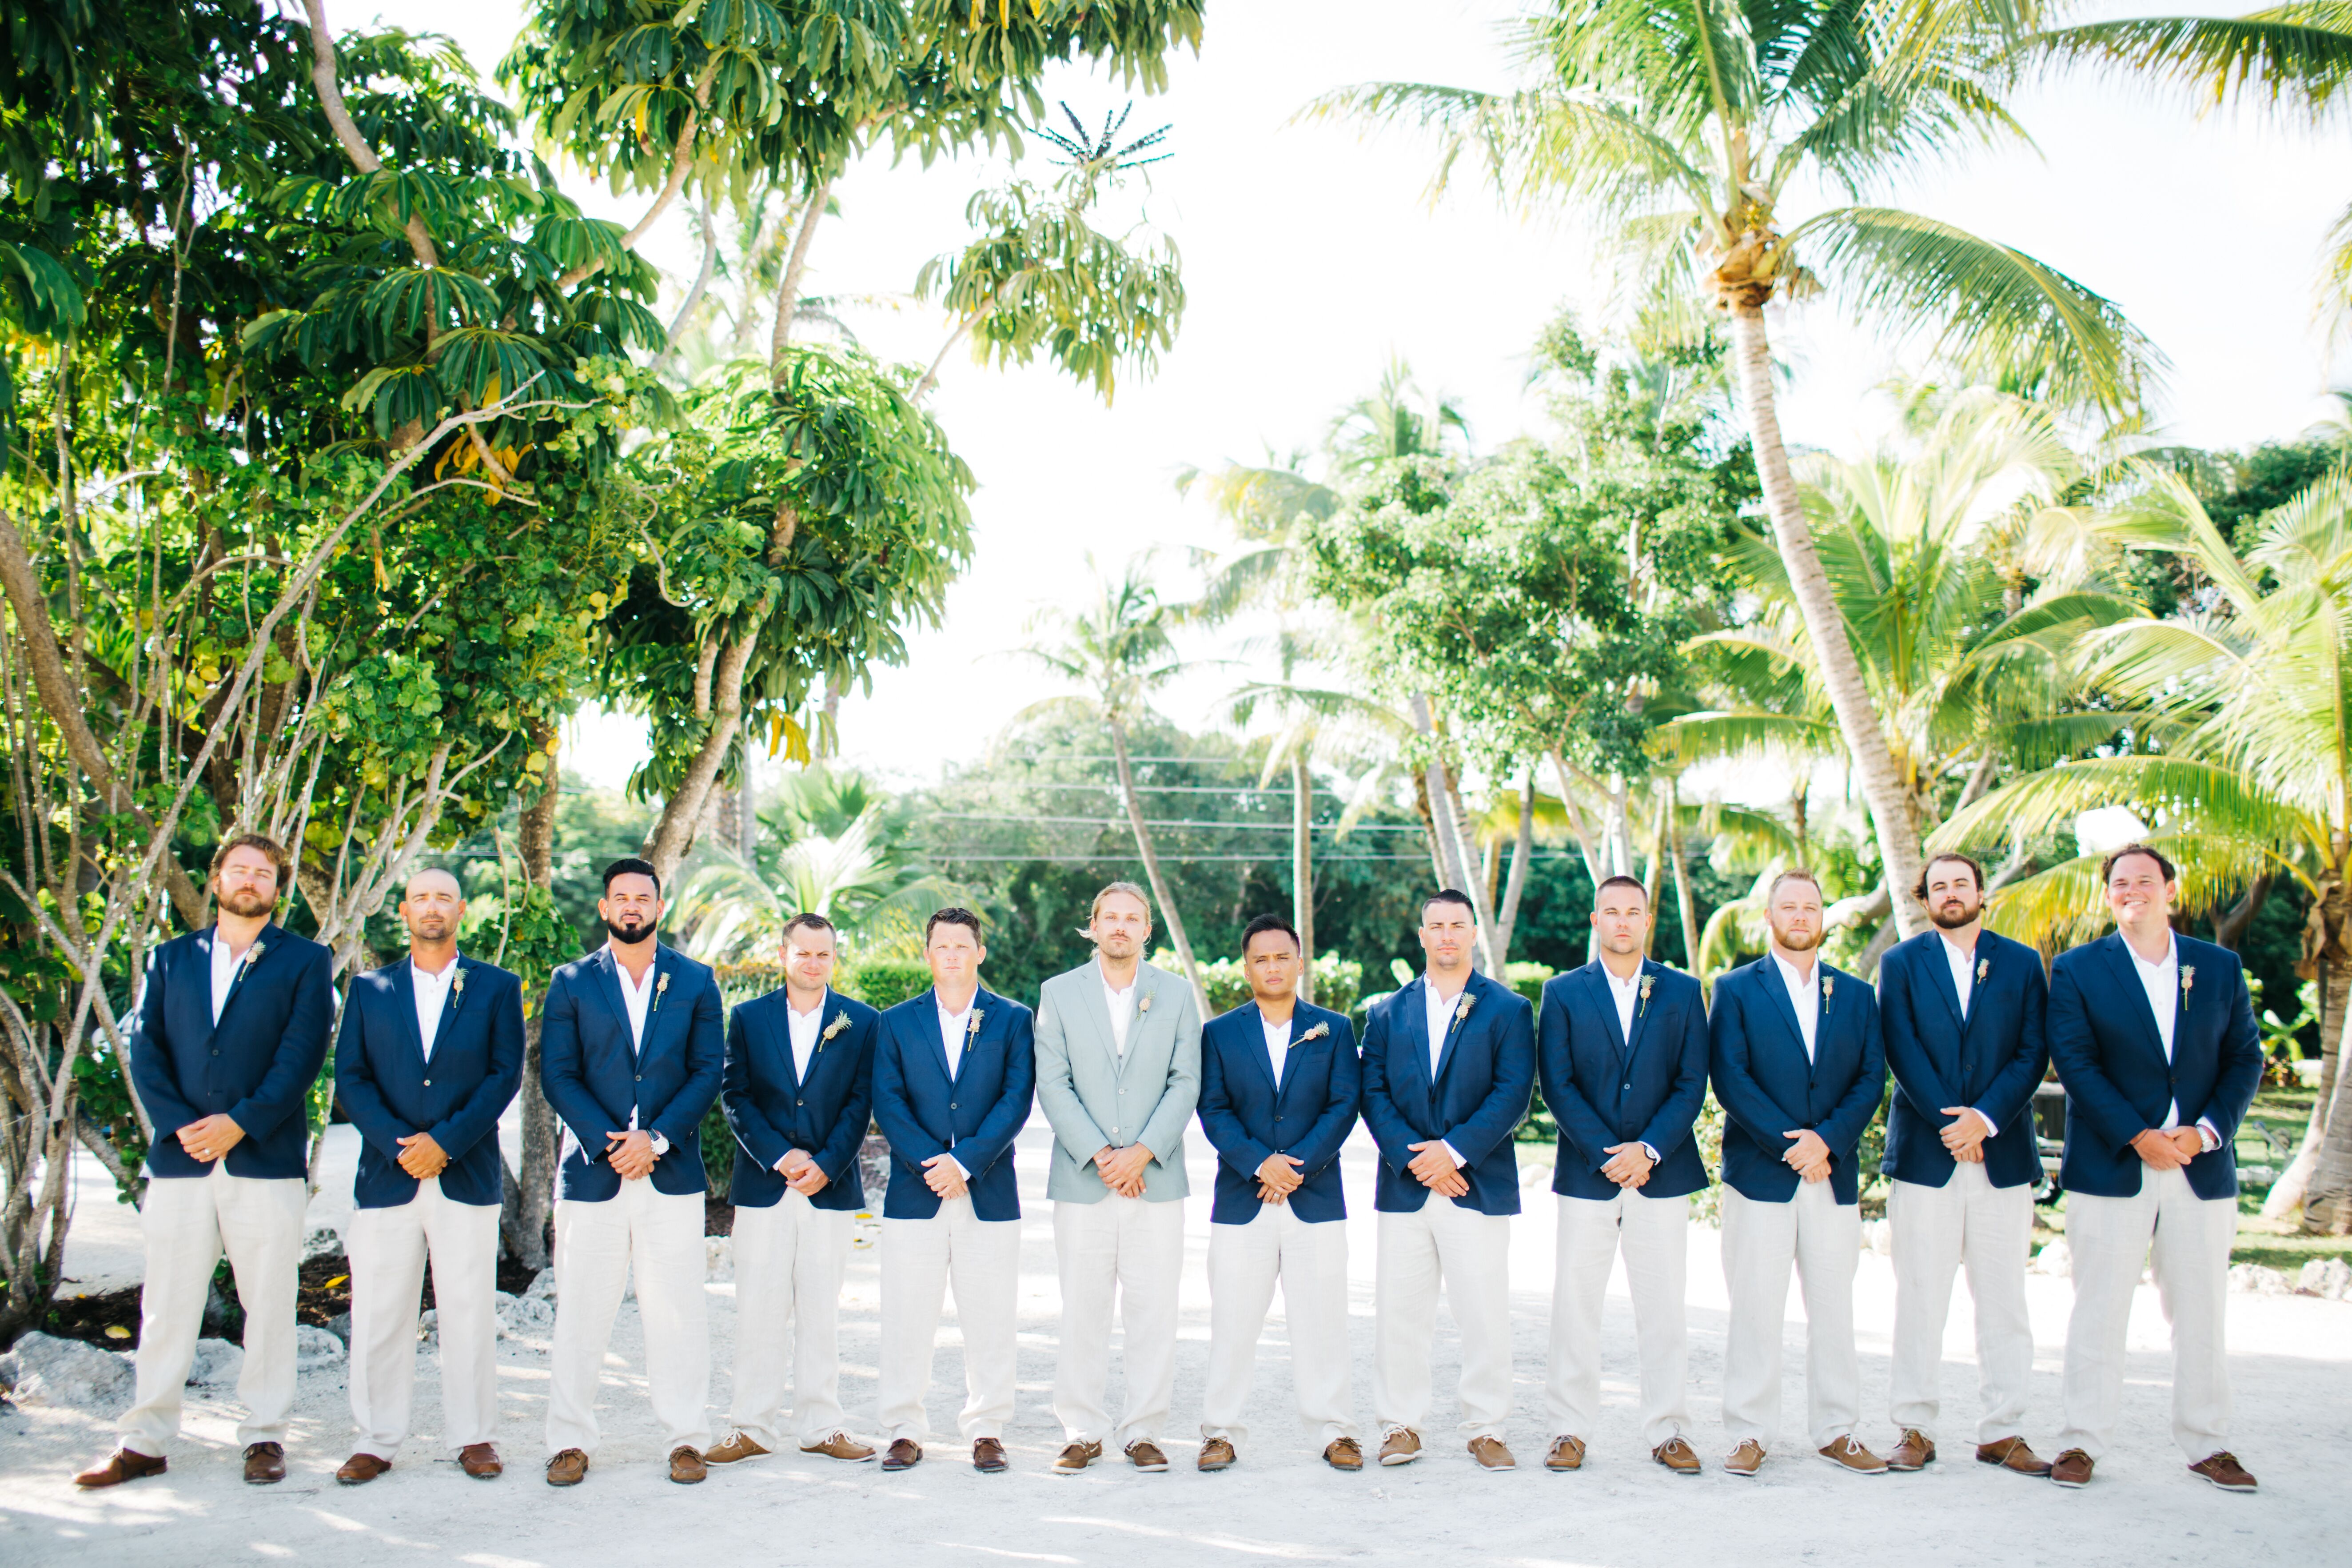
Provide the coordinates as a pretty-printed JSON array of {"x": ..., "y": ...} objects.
[
  {"x": 424, "y": 976},
  {"x": 1627, "y": 984},
  {"x": 620, "y": 970},
  {"x": 1954, "y": 953},
  {"x": 1788, "y": 972},
  {"x": 815, "y": 1012},
  {"x": 2172, "y": 952},
  {"x": 1116, "y": 990}
]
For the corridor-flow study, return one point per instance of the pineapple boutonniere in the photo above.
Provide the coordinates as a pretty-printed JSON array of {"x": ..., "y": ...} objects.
[
  {"x": 1982, "y": 965},
  {"x": 971, "y": 1029},
  {"x": 1462, "y": 1008},
  {"x": 252, "y": 956},
  {"x": 1647, "y": 980},
  {"x": 1143, "y": 1005},
  {"x": 457, "y": 988},
  {"x": 1317, "y": 1033},
  {"x": 2188, "y": 982},
  {"x": 661, "y": 983},
  {"x": 832, "y": 1030},
  {"x": 1829, "y": 988}
]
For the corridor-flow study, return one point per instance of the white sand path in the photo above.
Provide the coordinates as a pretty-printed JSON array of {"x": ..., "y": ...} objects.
[{"x": 2290, "y": 1355}]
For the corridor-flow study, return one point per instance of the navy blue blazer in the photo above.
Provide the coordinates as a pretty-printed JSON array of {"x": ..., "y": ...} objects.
[
  {"x": 1485, "y": 1077},
  {"x": 257, "y": 1066},
  {"x": 1991, "y": 1062},
  {"x": 1247, "y": 1119},
  {"x": 1603, "y": 1088},
  {"x": 1767, "y": 1088},
  {"x": 772, "y": 1111},
  {"x": 390, "y": 1091},
  {"x": 2104, "y": 1042},
  {"x": 593, "y": 1079},
  {"x": 975, "y": 1115}
]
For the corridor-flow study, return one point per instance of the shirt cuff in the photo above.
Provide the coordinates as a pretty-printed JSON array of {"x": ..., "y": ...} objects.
[
  {"x": 1993, "y": 1128},
  {"x": 661, "y": 1145},
  {"x": 958, "y": 1165},
  {"x": 2208, "y": 1135},
  {"x": 1653, "y": 1154},
  {"x": 1455, "y": 1155}
]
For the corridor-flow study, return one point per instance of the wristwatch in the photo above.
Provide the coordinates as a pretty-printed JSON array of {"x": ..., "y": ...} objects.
[{"x": 661, "y": 1145}]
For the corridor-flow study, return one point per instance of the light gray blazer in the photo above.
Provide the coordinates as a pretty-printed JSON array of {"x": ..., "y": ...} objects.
[{"x": 1094, "y": 1098}]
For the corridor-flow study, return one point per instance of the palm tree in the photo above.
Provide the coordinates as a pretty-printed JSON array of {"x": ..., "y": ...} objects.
[
  {"x": 1686, "y": 124},
  {"x": 2293, "y": 61},
  {"x": 1119, "y": 649},
  {"x": 2245, "y": 704}
]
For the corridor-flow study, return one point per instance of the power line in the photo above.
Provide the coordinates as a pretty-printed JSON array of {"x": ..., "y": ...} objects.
[{"x": 1122, "y": 822}]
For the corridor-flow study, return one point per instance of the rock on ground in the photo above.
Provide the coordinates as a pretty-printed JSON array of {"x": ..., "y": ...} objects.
[
  {"x": 45, "y": 1370},
  {"x": 2260, "y": 1280},
  {"x": 2328, "y": 1276},
  {"x": 315, "y": 1347},
  {"x": 217, "y": 1362}
]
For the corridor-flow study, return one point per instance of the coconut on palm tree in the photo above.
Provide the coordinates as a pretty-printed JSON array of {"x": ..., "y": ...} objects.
[
  {"x": 1695, "y": 130},
  {"x": 2241, "y": 707}
]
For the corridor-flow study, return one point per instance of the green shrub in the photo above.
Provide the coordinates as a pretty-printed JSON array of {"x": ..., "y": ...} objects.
[
  {"x": 886, "y": 982},
  {"x": 1528, "y": 980},
  {"x": 719, "y": 1149},
  {"x": 1338, "y": 982}
]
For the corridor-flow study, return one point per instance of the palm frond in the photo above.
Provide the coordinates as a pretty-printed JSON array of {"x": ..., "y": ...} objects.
[
  {"x": 2183, "y": 794},
  {"x": 2296, "y": 59}
]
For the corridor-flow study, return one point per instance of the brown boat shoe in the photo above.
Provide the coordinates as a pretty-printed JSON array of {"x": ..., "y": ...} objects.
[
  {"x": 265, "y": 1464},
  {"x": 568, "y": 1469},
  {"x": 739, "y": 1446},
  {"x": 121, "y": 1465},
  {"x": 361, "y": 1468},
  {"x": 1916, "y": 1451},
  {"x": 1399, "y": 1446},
  {"x": 480, "y": 1461},
  {"x": 1848, "y": 1455},
  {"x": 988, "y": 1455},
  {"x": 2072, "y": 1469},
  {"x": 1145, "y": 1456},
  {"x": 1075, "y": 1457},
  {"x": 1566, "y": 1454},
  {"x": 2224, "y": 1471},
  {"x": 1492, "y": 1455},
  {"x": 1677, "y": 1456},
  {"x": 2011, "y": 1454},
  {"x": 1216, "y": 1454},
  {"x": 1344, "y": 1453},
  {"x": 904, "y": 1454},
  {"x": 1746, "y": 1460},
  {"x": 686, "y": 1465},
  {"x": 840, "y": 1446}
]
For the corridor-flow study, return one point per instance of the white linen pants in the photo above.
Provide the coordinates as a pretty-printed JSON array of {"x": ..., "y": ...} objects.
[
  {"x": 1468, "y": 1253},
  {"x": 1653, "y": 1235},
  {"x": 388, "y": 1249},
  {"x": 1310, "y": 1259},
  {"x": 788, "y": 1265},
  {"x": 1823, "y": 1238},
  {"x": 919, "y": 1257},
  {"x": 656, "y": 1237},
  {"x": 1966, "y": 1220},
  {"x": 188, "y": 1222},
  {"x": 1127, "y": 1255},
  {"x": 2110, "y": 1239}
]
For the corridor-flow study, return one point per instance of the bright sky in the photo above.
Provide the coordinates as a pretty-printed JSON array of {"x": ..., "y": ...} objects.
[{"x": 1311, "y": 259}]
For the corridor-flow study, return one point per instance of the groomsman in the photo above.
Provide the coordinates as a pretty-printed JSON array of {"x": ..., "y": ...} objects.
[
  {"x": 430, "y": 1054},
  {"x": 631, "y": 1056},
  {"x": 1449, "y": 1066},
  {"x": 1799, "y": 1067},
  {"x": 953, "y": 1072},
  {"x": 230, "y": 1034},
  {"x": 1119, "y": 1075},
  {"x": 1622, "y": 1052},
  {"x": 1279, "y": 1083},
  {"x": 799, "y": 1094},
  {"x": 2153, "y": 1035},
  {"x": 1962, "y": 1011}
]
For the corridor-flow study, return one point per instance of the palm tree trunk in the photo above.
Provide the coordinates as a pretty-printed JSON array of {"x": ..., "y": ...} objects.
[
  {"x": 1575, "y": 817},
  {"x": 1865, "y": 739},
  {"x": 2328, "y": 1205},
  {"x": 1655, "y": 882},
  {"x": 1302, "y": 867},
  {"x": 1445, "y": 807},
  {"x": 535, "y": 1186},
  {"x": 1681, "y": 852},
  {"x": 1143, "y": 847},
  {"x": 2286, "y": 1194},
  {"x": 1521, "y": 848}
]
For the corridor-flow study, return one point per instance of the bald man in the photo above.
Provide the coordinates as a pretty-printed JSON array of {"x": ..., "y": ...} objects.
[{"x": 430, "y": 1054}]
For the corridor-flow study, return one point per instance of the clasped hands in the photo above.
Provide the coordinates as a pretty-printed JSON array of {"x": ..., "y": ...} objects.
[
  {"x": 631, "y": 1152},
  {"x": 1434, "y": 1168},
  {"x": 1808, "y": 1154},
  {"x": 2169, "y": 1150},
  {"x": 1964, "y": 1139},
  {"x": 1629, "y": 1165},
  {"x": 211, "y": 1138},
  {"x": 1278, "y": 1177},
  {"x": 421, "y": 1157},
  {"x": 1122, "y": 1169},
  {"x": 801, "y": 1173}
]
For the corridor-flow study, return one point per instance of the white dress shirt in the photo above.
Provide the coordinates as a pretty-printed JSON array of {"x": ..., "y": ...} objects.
[
  {"x": 1122, "y": 1010},
  {"x": 804, "y": 1028},
  {"x": 1277, "y": 1044},
  {"x": 954, "y": 1030},
  {"x": 2161, "y": 981},
  {"x": 1439, "y": 1012},
  {"x": 637, "y": 998},
  {"x": 1627, "y": 993},
  {"x": 1962, "y": 963},
  {"x": 432, "y": 996},
  {"x": 1805, "y": 995},
  {"x": 224, "y": 965}
]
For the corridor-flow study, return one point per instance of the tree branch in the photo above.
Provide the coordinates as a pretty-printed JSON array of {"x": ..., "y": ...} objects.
[
  {"x": 347, "y": 131},
  {"x": 681, "y": 160},
  {"x": 788, "y": 291}
]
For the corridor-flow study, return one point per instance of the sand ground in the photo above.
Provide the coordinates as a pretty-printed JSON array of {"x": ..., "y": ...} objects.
[{"x": 2291, "y": 1380}]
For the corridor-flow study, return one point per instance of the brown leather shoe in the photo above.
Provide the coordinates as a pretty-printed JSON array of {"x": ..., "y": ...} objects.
[
  {"x": 840, "y": 1446},
  {"x": 1746, "y": 1460},
  {"x": 480, "y": 1461},
  {"x": 2224, "y": 1471},
  {"x": 121, "y": 1465},
  {"x": 2011, "y": 1454},
  {"x": 568, "y": 1469},
  {"x": 1344, "y": 1453},
  {"x": 1145, "y": 1456},
  {"x": 686, "y": 1465},
  {"x": 1916, "y": 1452},
  {"x": 739, "y": 1446},
  {"x": 904, "y": 1454},
  {"x": 1075, "y": 1457},
  {"x": 1400, "y": 1446},
  {"x": 265, "y": 1463},
  {"x": 1491, "y": 1455},
  {"x": 1216, "y": 1454},
  {"x": 988, "y": 1456},
  {"x": 361, "y": 1468},
  {"x": 1677, "y": 1456},
  {"x": 2072, "y": 1469},
  {"x": 1566, "y": 1454},
  {"x": 1847, "y": 1454}
]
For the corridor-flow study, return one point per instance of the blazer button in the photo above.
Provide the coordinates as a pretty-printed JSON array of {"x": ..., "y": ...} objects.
[
  {"x": 800, "y": 1102},
  {"x": 951, "y": 1105},
  {"x": 428, "y": 1083},
  {"x": 1277, "y": 1119},
  {"x": 641, "y": 1078},
  {"x": 216, "y": 1053}
]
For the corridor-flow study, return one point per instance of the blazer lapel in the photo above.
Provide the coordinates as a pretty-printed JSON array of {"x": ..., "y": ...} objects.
[
  {"x": 1414, "y": 1030},
  {"x": 2127, "y": 970},
  {"x": 1098, "y": 1011},
  {"x": 1777, "y": 988},
  {"x": 404, "y": 1002},
  {"x": 246, "y": 963},
  {"x": 1261, "y": 1058},
  {"x": 608, "y": 985},
  {"x": 1940, "y": 978},
  {"x": 1456, "y": 1023},
  {"x": 1599, "y": 995}
]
